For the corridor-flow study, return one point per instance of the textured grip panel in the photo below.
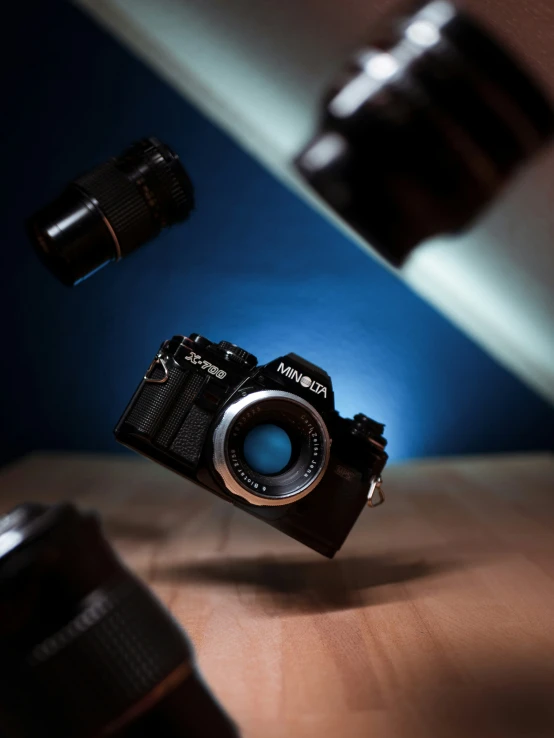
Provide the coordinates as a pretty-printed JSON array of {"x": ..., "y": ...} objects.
[
  {"x": 115, "y": 652},
  {"x": 188, "y": 394},
  {"x": 121, "y": 202},
  {"x": 156, "y": 400},
  {"x": 189, "y": 441}
]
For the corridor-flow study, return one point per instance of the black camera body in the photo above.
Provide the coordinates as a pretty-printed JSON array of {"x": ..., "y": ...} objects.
[{"x": 266, "y": 438}]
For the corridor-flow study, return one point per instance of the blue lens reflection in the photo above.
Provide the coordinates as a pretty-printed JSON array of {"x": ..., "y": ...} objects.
[{"x": 267, "y": 449}]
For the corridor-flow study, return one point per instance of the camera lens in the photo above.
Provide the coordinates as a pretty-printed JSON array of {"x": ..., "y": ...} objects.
[
  {"x": 271, "y": 448},
  {"x": 267, "y": 448},
  {"x": 431, "y": 119},
  {"x": 87, "y": 650},
  {"x": 110, "y": 212}
]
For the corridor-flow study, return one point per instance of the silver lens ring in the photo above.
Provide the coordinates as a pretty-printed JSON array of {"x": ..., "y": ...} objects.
[{"x": 221, "y": 437}]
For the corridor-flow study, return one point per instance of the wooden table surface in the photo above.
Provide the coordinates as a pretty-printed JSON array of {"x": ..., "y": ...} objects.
[{"x": 435, "y": 620}]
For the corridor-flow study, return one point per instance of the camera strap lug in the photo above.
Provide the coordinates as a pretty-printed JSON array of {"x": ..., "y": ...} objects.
[
  {"x": 375, "y": 489},
  {"x": 158, "y": 361}
]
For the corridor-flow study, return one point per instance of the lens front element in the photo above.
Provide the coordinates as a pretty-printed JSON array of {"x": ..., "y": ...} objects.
[
  {"x": 271, "y": 448},
  {"x": 267, "y": 448}
]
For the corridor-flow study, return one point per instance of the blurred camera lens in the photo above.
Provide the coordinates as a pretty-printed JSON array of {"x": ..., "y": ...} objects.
[
  {"x": 110, "y": 212},
  {"x": 426, "y": 126},
  {"x": 87, "y": 650}
]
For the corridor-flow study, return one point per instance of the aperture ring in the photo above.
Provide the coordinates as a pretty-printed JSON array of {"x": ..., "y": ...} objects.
[
  {"x": 158, "y": 174},
  {"x": 178, "y": 198}
]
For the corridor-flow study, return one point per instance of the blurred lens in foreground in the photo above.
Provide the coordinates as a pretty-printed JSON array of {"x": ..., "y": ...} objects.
[
  {"x": 427, "y": 125},
  {"x": 87, "y": 649}
]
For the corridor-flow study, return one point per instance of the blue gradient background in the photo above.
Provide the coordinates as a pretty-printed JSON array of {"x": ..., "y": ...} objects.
[{"x": 254, "y": 265}]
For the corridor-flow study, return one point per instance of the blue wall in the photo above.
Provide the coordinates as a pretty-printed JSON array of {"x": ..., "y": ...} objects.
[{"x": 254, "y": 265}]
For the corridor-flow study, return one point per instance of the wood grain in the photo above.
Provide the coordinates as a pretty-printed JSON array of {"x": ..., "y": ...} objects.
[{"x": 436, "y": 619}]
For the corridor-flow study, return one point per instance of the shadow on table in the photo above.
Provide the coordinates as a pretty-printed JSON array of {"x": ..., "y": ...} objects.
[{"x": 311, "y": 586}]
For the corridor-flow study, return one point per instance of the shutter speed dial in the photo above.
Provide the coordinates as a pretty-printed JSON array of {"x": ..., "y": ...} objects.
[
  {"x": 199, "y": 340},
  {"x": 236, "y": 354}
]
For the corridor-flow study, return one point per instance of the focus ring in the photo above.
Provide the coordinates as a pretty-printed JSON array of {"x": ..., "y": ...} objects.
[
  {"x": 122, "y": 204},
  {"x": 111, "y": 655}
]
